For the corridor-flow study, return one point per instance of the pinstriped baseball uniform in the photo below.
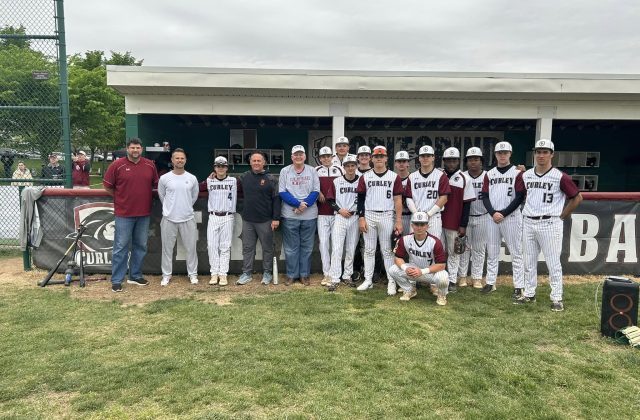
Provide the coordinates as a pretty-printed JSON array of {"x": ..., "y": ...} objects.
[
  {"x": 461, "y": 192},
  {"x": 379, "y": 209},
  {"x": 476, "y": 231},
  {"x": 406, "y": 213},
  {"x": 326, "y": 214},
  {"x": 501, "y": 184},
  {"x": 423, "y": 254},
  {"x": 425, "y": 189},
  {"x": 223, "y": 195},
  {"x": 546, "y": 196},
  {"x": 345, "y": 230}
]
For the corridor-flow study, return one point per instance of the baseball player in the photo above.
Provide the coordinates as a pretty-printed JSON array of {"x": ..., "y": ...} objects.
[
  {"x": 502, "y": 195},
  {"x": 420, "y": 257},
  {"x": 327, "y": 172},
  {"x": 342, "y": 150},
  {"x": 547, "y": 190},
  {"x": 178, "y": 191},
  {"x": 401, "y": 166},
  {"x": 478, "y": 221},
  {"x": 223, "y": 195},
  {"x": 455, "y": 215},
  {"x": 427, "y": 190},
  {"x": 364, "y": 160},
  {"x": 343, "y": 198},
  {"x": 379, "y": 194}
]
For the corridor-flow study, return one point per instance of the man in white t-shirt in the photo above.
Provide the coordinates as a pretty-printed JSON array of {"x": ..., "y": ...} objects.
[{"x": 178, "y": 192}]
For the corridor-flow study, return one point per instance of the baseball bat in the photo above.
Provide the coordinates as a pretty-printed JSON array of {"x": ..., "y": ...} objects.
[
  {"x": 54, "y": 269},
  {"x": 275, "y": 264}
]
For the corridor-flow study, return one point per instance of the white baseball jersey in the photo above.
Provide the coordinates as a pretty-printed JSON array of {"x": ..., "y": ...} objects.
[
  {"x": 425, "y": 189},
  {"x": 423, "y": 253},
  {"x": 361, "y": 172},
  {"x": 344, "y": 193},
  {"x": 477, "y": 208},
  {"x": 335, "y": 160},
  {"x": 501, "y": 187},
  {"x": 546, "y": 193},
  {"x": 223, "y": 194},
  {"x": 380, "y": 190}
]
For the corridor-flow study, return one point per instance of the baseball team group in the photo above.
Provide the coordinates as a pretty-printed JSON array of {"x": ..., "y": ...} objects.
[{"x": 430, "y": 226}]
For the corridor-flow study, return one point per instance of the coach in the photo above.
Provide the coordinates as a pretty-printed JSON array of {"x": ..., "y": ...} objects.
[
  {"x": 299, "y": 190},
  {"x": 129, "y": 180}
]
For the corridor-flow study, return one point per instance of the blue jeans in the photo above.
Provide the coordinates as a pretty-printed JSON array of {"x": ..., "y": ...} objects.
[
  {"x": 298, "y": 239},
  {"x": 134, "y": 232}
]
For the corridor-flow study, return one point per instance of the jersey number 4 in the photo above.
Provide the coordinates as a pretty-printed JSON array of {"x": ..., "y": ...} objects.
[{"x": 230, "y": 197}]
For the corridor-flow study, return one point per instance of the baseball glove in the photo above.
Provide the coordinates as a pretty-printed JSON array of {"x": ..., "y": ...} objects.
[{"x": 460, "y": 244}]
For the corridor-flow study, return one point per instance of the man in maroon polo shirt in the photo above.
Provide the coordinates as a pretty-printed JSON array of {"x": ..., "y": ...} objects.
[{"x": 130, "y": 180}]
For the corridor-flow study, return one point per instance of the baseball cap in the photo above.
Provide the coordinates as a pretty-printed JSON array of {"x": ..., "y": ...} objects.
[
  {"x": 379, "y": 150},
  {"x": 325, "y": 151},
  {"x": 342, "y": 140},
  {"x": 221, "y": 161},
  {"x": 503, "y": 146},
  {"x": 544, "y": 144},
  {"x": 349, "y": 159},
  {"x": 451, "y": 153},
  {"x": 426, "y": 150},
  {"x": 474, "y": 151},
  {"x": 297, "y": 148},
  {"x": 81, "y": 152},
  {"x": 364, "y": 149},
  {"x": 419, "y": 217},
  {"x": 402, "y": 155},
  {"x": 52, "y": 154}
]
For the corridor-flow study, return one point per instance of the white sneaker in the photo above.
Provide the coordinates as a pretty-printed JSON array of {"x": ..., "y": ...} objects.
[
  {"x": 442, "y": 300},
  {"x": 391, "y": 288},
  {"x": 193, "y": 279},
  {"x": 165, "y": 281},
  {"x": 367, "y": 284},
  {"x": 325, "y": 281},
  {"x": 223, "y": 280},
  {"x": 462, "y": 282},
  {"x": 408, "y": 295},
  {"x": 214, "y": 280},
  {"x": 477, "y": 284}
]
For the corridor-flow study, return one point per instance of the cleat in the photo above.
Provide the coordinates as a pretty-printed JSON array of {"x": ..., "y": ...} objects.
[
  {"x": 523, "y": 300},
  {"x": 165, "y": 281},
  {"x": 391, "y": 288},
  {"x": 367, "y": 284},
  {"x": 333, "y": 286},
  {"x": 517, "y": 292},
  {"x": 557, "y": 306},
  {"x": 441, "y": 300},
  {"x": 488, "y": 288},
  {"x": 214, "y": 280},
  {"x": 477, "y": 284},
  {"x": 452, "y": 287},
  {"x": 193, "y": 279},
  {"x": 223, "y": 280},
  {"x": 325, "y": 281},
  {"x": 407, "y": 295},
  {"x": 244, "y": 279},
  {"x": 462, "y": 282}
]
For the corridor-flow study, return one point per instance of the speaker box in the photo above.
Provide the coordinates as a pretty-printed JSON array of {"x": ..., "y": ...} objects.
[{"x": 619, "y": 305}]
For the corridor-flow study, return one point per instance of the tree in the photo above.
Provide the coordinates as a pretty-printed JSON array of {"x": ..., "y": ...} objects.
[{"x": 96, "y": 110}]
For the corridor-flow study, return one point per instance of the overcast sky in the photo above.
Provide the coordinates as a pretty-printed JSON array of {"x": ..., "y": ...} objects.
[{"x": 586, "y": 36}]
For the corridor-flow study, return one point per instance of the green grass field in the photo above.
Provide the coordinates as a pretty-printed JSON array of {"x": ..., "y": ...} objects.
[{"x": 305, "y": 353}]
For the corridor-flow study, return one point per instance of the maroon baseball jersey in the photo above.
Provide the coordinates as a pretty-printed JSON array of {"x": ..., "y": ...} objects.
[
  {"x": 424, "y": 253},
  {"x": 461, "y": 192},
  {"x": 326, "y": 176}
]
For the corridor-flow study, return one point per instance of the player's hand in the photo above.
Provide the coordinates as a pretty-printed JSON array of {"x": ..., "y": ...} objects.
[
  {"x": 521, "y": 168},
  {"x": 321, "y": 198},
  {"x": 345, "y": 213},
  {"x": 363, "y": 225},
  {"x": 498, "y": 217},
  {"x": 462, "y": 231},
  {"x": 413, "y": 272},
  {"x": 302, "y": 207},
  {"x": 398, "y": 228},
  {"x": 275, "y": 224}
]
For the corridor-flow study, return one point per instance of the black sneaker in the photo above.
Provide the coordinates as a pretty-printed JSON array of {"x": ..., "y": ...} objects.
[
  {"x": 557, "y": 306},
  {"x": 138, "y": 282},
  {"x": 332, "y": 287},
  {"x": 517, "y": 292},
  {"x": 523, "y": 300},
  {"x": 488, "y": 288},
  {"x": 116, "y": 287},
  {"x": 452, "y": 287}
]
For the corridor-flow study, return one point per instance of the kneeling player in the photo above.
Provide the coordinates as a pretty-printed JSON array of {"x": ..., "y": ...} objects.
[{"x": 420, "y": 257}]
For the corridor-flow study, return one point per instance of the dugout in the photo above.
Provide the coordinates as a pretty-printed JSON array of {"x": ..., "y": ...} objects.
[{"x": 594, "y": 120}]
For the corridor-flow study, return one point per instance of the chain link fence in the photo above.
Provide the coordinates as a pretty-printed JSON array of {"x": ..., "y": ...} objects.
[{"x": 31, "y": 105}]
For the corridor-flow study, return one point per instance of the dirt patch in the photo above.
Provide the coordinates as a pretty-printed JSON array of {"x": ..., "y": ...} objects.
[{"x": 13, "y": 276}]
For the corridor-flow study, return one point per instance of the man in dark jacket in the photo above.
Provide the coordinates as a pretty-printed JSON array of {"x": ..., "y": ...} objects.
[{"x": 260, "y": 217}]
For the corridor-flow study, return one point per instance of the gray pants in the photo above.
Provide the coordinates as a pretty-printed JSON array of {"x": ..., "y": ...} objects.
[
  {"x": 251, "y": 232},
  {"x": 188, "y": 234}
]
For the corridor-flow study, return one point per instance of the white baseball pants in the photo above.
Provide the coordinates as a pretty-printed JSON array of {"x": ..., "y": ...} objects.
[
  {"x": 453, "y": 259},
  {"x": 440, "y": 279},
  {"x": 510, "y": 229},
  {"x": 325, "y": 227},
  {"x": 545, "y": 235},
  {"x": 344, "y": 238},
  {"x": 219, "y": 235},
  {"x": 477, "y": 242},
  {"x": 379, "y": 228}
]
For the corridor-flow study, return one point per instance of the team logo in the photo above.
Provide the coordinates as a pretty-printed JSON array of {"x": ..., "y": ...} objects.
[
  {"x": 97, "y": 239},
  {"x": 456, "y": 178}
]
